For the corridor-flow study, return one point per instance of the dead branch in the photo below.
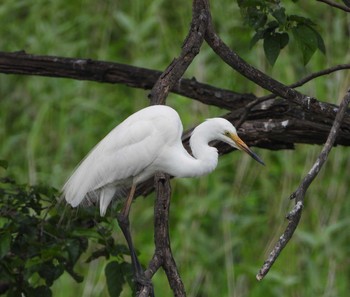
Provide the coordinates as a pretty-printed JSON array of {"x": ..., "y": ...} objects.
[
  {"x": 298, "y": 83},
  {"x": 320, "y": 73},
  {"x": 21, "y": 63},
  {"x": 299, "y": 194}
]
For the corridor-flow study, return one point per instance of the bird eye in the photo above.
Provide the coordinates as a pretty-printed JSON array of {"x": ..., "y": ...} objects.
[{"x": 227, "y": 133}]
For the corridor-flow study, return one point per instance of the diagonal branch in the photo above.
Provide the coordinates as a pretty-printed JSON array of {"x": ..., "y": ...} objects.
[
  {"x": 255, "y": 75},
  {"x": 171, "y": 76},
  {"x": 335, "y": 4},
  {"x": 247, "y": 70},
  {"x": 299, "y": 195}
]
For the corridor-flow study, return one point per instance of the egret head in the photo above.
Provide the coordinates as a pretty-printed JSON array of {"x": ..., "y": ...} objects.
[{"x": 227, "y": 133}]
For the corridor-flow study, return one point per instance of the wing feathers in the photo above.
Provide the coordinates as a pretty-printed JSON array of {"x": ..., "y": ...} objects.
[
  {"x": 120, "y": 156},
  {"x": 132, "y": 149}
]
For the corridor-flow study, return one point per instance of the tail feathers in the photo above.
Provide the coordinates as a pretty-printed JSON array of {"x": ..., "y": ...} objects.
[
  {"x": 103, "y": 196},
  {"x": 106, "y": 196},
  {"x": 76, "y": 189}
]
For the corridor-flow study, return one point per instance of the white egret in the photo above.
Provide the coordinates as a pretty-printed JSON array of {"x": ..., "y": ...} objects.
[{"x": 146, "y": 142}]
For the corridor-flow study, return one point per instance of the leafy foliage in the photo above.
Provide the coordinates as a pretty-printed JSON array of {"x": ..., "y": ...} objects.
[
  {"x": 272, "y": 24},
  {"x": 117, "y": 274},
  {"x": 38, "y": 244}
]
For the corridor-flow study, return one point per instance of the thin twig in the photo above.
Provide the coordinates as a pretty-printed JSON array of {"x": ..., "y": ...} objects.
[
  {"x": 296, "y": 84},
  {"x": 299, "y": 195},
  {"x": 323, "y": 72},
  {"x": 335, "y": 4}
]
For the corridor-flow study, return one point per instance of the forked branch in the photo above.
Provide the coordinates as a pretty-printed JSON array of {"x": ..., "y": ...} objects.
[{"x": 163, "y": 256}]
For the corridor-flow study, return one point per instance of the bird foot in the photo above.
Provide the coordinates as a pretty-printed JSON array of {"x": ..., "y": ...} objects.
[{"x": 142, "y": 281}]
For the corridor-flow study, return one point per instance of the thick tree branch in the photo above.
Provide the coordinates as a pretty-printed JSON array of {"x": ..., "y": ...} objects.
[
  {"x": 299, "y": 195},
  {"x": 162, "y": 239},
  {"x": 165, "y": 83},
  {"x": 108, "y": 72},
  {"x": 20, "y": 63},
  {"x": 247, "y": 70}
]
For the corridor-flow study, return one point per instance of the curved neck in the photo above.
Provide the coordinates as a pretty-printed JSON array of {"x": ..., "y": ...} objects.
[
  {"x": 205, "y": 155},
  {"x": 204, "y": 160}
]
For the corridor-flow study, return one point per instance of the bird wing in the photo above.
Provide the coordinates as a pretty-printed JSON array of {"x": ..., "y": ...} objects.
[{"x": 124, "y": 153}]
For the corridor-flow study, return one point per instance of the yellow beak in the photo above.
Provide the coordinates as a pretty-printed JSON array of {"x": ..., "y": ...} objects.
[{"x": 242, "y": 146}]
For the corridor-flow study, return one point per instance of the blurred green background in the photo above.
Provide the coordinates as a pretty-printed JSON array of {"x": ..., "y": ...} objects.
[{"x": 222, "y": 225}]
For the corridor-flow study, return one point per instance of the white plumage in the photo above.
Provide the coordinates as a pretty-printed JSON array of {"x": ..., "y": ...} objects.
[{"x": 147, "y": 141}]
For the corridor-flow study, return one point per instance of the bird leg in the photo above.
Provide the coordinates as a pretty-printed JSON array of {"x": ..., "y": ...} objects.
[{"x": 124, "y": 224}]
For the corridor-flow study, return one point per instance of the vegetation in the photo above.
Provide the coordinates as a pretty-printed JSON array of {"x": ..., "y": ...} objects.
[{"x": 222, "y": 225}]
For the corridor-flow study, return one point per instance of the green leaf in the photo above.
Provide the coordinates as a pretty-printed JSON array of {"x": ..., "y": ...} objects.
[
  {"x": 284, "y": 39},
  {"x": 272, "y": 25},
  {"x": 41, "y": 291},
  {"x": 272, "y": 48},
  {"x": 307, "y": 40},
  {"x": 50, "y": 272},
  {"x": 257, "y": 36},
  {"x": 320, "y": 43},
  {"x": 280, "y": 15},
  {"x": 115, "y": 278},
  {"x": 258, "y": 20},
  {"x": 74, "y": 250},
  {"x": 301, "y": 20},
  {"x": 3, "y": 164},
  {"x": 5, "y": 244},
  {"x": 90, "y": 233}
]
